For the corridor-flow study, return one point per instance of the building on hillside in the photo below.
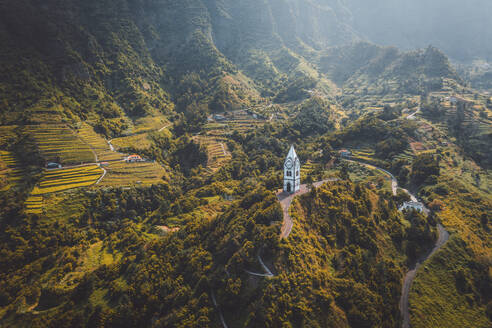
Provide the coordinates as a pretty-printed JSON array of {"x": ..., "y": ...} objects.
[
  {"x": 134, "y": 159},
  {"x": 53, "y": 165},
  {"x": 345, "y": 153},
  {"x": 412, "y": 206},
  {"x": 219, "y": 117},
  {"x": 292, "y": 172}
]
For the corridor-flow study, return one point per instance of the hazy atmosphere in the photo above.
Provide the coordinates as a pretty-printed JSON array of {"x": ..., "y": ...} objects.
[{"x": 253, "y": 163}]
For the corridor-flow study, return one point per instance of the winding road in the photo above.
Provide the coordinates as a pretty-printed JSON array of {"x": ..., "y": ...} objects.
[
  {"x": 412, "y": 273},
  {"x": 285, "y": 200},
  {"x": 410, "y": 276}
]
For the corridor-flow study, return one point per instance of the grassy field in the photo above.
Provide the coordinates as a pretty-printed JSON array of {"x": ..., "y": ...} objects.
[
  {"x": 64, "y": 179},
  {"x": 10, "y": 172},
  {"x": 138, "y": 141},
  {"x": 121, "y": 174},
  {"x": 97, "y": 143},
  {"x": 59, "y": 143},
  {"x": 149, "y": 123}
]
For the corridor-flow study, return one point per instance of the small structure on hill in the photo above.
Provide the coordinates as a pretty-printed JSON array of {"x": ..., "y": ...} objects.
[
  {"x": 134, "y": 159},
  {"x": 344, "y": 153},
  {"x": 219, "y": 117},
  {"x": 292, "y": 172},
  {"x": 53, "y": 165},
  {"x": 412, "y": 206}
]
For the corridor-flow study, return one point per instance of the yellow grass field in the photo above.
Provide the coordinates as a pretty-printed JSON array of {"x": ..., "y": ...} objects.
[
  {"x": 97, "y": 143},
  {"x": 121, "y": 174},
  {"x": 138, "y": 141},
  {"x": 58, "y": 143},
  {"x": 64, "y": 179}
]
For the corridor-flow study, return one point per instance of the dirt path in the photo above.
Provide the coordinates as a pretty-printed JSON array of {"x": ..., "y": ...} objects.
[{"x": 410, "y": 276}]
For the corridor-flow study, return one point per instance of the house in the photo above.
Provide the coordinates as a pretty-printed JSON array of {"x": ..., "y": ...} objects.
[
  {"x": 345, "y": 153},
  {"x": 104, "y": 164},
  {"x": 53, "y": 165},
  {"x": 412, "y": 206},
  {"x": 219, "y": 117},
  {"x": 134, "y": 159}
]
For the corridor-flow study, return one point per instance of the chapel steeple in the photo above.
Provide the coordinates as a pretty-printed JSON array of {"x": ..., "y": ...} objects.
[{"x": 292, "y": 172}]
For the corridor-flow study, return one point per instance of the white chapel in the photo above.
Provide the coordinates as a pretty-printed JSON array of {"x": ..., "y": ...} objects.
[{"x": 292, "y": 172}]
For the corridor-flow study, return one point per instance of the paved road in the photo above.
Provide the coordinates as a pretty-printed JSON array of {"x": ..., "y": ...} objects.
[
  {"x": 394, "y": 182},
  {"x": 285, "y": 200},
  {"x": 410, "y": 276}
]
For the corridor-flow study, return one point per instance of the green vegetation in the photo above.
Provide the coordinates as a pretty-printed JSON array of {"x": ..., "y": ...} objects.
[{"x": 211, "y": 94}]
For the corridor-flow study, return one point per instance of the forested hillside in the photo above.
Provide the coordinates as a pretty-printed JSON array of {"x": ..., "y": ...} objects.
[{"x": 142, "y": 145}]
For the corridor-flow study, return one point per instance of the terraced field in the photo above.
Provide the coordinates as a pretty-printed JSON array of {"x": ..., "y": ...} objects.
[
  {"x": 121, "y": 174},
  {"x": 217, "y": 151},
  {"x": 64, "y": 179},
  {"x": 10, "y": 171},
  {"x": 239, "y": 120},
  {"x": 34, "y": 204},
  {"x": 306, "y": 169},
  {"x": 363, "y": 154},
  {"x": 407, "y": 155},
  {"x": 58, "y": 143},
  {"x": 97, "y": 143}
]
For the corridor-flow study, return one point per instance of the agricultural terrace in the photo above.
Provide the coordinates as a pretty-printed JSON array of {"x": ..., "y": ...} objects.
[
  {"x": 217, "y": 151},
  {"x": 121, "y": 174},
  {"x": 97, "y": 143},
  {"x": 239, "y": 120},
  {"x": 64, "y": 179},
  {"x": 10, "y": 172},
  {"x": 34, "y": 204},
  {"x": 58, "y": 143}
]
